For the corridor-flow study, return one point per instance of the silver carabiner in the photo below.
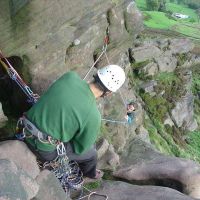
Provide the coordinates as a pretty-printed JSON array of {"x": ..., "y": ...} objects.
[{"x": 61, "y": 151}]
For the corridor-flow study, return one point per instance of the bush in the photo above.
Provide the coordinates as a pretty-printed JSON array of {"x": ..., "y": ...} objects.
[
  {"x": 156, "y": 106},
  {"x": 194, "y": 5},
  {"x": 192, "y": 20},
  {"x": 152, "y": 4}
]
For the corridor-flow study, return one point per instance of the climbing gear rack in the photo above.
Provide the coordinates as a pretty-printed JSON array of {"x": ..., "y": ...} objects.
[{"x": 67, "y": 172}]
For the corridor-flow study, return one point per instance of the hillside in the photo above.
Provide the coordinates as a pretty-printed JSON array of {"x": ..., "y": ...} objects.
[
  {"x": 162, "y": 24},
  {"x": 163, "y": 20}
]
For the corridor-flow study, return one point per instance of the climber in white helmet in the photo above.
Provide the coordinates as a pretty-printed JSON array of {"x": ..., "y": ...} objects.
[{"x": 67, "y": 112}]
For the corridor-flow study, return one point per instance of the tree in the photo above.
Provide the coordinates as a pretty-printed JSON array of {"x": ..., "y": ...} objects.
[
  {"x": 198, "y": 13},
  {"x": 157, "y": 5},
  {"x": 162, "y": 5},
  {"x": 152, "y": 4},
  {"x": 194, "y": 4},
  {"x": 180, "y": 1}
]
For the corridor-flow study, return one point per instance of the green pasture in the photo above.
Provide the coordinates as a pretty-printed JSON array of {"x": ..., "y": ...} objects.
[
  {"x": 159, "y": 20},
  {"x": 175, "y": 8}
]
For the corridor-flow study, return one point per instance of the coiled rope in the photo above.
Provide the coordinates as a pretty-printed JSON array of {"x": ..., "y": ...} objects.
[{"x": 67, "y": 172}]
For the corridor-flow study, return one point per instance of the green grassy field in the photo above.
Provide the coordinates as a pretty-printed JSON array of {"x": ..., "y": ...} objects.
[{"x": 159, "y": 20}]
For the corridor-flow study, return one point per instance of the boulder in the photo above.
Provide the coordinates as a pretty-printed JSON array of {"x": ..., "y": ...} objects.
[
  {"x": 133, "y": 18},
  {"x": 150, "y": 69},
  {"x": 102, "y": 147},
  {"x": 149, "y": 86},
  {"x": 50, "y": 187},
  {"x": 110, "y": 159},
  {"x": 144, "y": 53},
  {"x": 120, "y": 190},
  {"x": 15, "y": 183},
  {"x": 166, "y": 62},
  {"x": 117, "y": 31},
  {"x": 183, "y": 113},
  {"x": 168, "y": 121},
  {"x": 17, "y": 152},
  {"x": 143, "y": 134},
  {"x": 183, "y": 45},
  {"x": 141, "y": 163},
  {"x": 163, "y": 43}
]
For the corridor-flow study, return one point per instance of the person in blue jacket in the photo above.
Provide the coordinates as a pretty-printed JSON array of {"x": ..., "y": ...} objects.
[{"x": 131, "y": 108}]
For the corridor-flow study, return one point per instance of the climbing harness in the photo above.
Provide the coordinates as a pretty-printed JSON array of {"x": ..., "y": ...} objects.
[
  {"x": 67, "y": 172},
  {"x": 32, "y": 98}
]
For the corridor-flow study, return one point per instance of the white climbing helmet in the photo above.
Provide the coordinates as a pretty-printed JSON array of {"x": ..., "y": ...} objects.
[{"x": 112, "y": 77}]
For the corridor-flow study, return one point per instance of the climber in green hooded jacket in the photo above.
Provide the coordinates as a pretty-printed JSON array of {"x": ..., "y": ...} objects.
[{"x": 67, "y": 112}]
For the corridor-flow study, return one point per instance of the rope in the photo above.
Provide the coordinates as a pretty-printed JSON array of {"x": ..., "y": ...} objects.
[
  {"x": 32, "y": 98},
  {"x": 114, "y": 121},
  {"x": 92, "y": 194},
  {"x": 67, "y": 172},
  {"x": 104, "y": 48},
  {"x": 124, "y": 102},
  {"x": 103, "y": 51},
  {"x": 106, "y": 41}
]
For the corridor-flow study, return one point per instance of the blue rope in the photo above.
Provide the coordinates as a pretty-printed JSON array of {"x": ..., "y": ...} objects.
[{"x": 115, "y": 121}]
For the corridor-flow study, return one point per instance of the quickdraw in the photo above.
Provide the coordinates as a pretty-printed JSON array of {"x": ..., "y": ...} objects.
[{"x": 32, "y": 98}]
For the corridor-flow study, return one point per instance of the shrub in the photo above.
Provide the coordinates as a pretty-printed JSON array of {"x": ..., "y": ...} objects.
[
  {"x": 156, "y": 106},
  {"x": 192, "y": 20},
  {"x": 193, "y": 5}
]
